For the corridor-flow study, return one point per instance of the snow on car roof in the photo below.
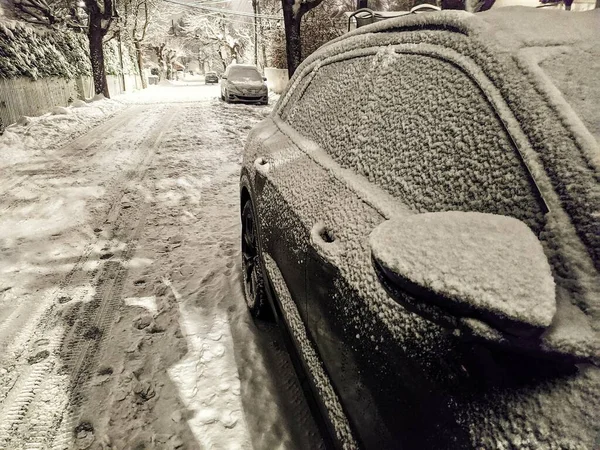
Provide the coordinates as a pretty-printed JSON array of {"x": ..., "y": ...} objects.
[
  {"x": 519, "y": 25},
  {"x": 542, "y": 62},
  {"x": 511, "y": 29},
  {"x": 243, "y": 66}
]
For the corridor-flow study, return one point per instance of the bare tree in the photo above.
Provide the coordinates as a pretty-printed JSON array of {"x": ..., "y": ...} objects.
[
  {"x": 216, "y": 35},
  {"x": 161, "y": 36},
  {"x": 137, "y": 16},
  {"x": 262, "y": 35}
]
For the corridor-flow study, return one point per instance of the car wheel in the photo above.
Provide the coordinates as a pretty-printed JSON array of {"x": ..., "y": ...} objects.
[
  {"x": 222, "y": 96},
  {"x": 254, "y": 285}
]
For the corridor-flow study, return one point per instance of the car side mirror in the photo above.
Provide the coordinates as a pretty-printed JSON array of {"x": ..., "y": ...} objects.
[
  {"x": 223, "y": 77},
  {"x": 467, "y": 265},
  {"x": 264, "y": 78}
]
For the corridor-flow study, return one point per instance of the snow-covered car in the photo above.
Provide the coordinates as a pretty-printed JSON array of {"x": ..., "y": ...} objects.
[
  {"x": 211, "y": 77},
  {"x": 244, "y": 83},
  {"x": 421, "y": 212}
]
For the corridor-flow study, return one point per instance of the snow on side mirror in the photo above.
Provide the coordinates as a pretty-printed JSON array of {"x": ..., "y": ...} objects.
[{"x": 484, "y": 266}]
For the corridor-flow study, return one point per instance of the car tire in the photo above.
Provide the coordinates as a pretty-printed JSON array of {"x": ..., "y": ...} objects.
[{"x": 252, "y": 273}]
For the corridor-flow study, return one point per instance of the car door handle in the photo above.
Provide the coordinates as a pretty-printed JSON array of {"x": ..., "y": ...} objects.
[
  {"x": 326, "y": 243},
  {"x": 261, "y": 165}
]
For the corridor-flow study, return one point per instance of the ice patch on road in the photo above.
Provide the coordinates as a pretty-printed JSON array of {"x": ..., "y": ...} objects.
[{"x": 148, "y": 303}]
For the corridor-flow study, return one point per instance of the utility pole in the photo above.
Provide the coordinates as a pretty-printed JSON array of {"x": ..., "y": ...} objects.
[
  {"x": 262, "y": 36},
  {"x": 121, "y": 60},
  {"x": 254, "y": 8}
]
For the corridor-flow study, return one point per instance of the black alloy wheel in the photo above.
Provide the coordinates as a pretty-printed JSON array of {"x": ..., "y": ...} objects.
[{"x": 254, "y": 286}]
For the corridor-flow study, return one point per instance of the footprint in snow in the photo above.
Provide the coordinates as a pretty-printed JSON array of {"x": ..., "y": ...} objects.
[{"x": 38, "y": 357}]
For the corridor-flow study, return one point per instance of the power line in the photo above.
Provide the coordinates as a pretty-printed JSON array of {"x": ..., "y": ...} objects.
[
  {"x": 198, "y": 5},
  {"x": 226, "y": 19}
]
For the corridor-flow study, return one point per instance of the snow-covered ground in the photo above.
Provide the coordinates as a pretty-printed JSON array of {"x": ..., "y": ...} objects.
[{"x": 122, "y": 319}]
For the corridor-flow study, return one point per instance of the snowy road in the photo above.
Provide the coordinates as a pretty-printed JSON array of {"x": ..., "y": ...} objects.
[{"x": 122, "y": 321}]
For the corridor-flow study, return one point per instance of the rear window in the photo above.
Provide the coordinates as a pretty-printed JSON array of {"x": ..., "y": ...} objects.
[{"x": 575, "y": 74}]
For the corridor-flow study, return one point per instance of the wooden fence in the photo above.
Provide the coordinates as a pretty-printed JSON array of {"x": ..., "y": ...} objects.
[{"x": 25, "y": 97}]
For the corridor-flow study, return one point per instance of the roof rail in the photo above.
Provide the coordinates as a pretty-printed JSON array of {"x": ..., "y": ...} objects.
[{"x": 366, "y": 16}]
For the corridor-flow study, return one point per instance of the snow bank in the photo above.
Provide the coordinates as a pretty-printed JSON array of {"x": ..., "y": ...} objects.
[{"x": 31, "y": 136}]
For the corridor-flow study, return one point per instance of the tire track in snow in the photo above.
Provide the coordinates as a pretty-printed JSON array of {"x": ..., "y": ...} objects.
[
  {"x": 9, "y": 184},
  {"x": 25, "y": 391},
  {"x": 83, "y": 352},
  {"x": 114, "y": 188}
]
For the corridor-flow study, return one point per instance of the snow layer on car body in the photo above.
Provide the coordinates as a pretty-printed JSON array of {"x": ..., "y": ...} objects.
[
  {"x": 557, "y": 223},
  {"x": 525, "y": 415}
]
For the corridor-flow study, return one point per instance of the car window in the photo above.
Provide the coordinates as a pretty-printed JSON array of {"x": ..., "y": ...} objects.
[
  {"x": 573, "y": 73},
  {"x": 421, "y": 129},
  {"x": 244, "y": 73}
]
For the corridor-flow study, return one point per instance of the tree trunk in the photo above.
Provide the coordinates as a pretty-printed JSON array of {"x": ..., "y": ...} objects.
[
  {"x": 293, "y": 44},
  {"x": 95, "y": 36},
  {"x": 293, "y": 11},
  {"x": 140, "y": 62}
]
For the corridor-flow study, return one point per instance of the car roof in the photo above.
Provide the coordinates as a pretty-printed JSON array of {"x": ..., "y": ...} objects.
[
  {"x": 572, "y": 37},
  {"x": 243, "y": 66},
  {"x": 504, "y": 30},
  {"x": 511, "y": 27}
]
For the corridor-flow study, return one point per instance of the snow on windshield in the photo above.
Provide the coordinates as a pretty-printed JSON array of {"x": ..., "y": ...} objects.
[{"x": 244, "y": 73}]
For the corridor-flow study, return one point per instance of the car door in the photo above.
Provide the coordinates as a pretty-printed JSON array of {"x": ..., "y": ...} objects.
[
  {"x": 405, "y": 133},
  {"x": 270, "y": 162}
]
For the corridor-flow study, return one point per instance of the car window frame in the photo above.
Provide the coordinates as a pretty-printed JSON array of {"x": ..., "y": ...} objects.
[{"x": 465, "y": 64}]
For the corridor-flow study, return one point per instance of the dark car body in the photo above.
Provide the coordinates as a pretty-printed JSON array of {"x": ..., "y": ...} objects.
[
  {"x": 211, "y": 77},
  {"x": 244, "y": 83},
  {"x": 437, "y": 112}
]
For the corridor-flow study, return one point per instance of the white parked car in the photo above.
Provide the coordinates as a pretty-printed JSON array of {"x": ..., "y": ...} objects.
[{"x": 244, "y": 83}]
